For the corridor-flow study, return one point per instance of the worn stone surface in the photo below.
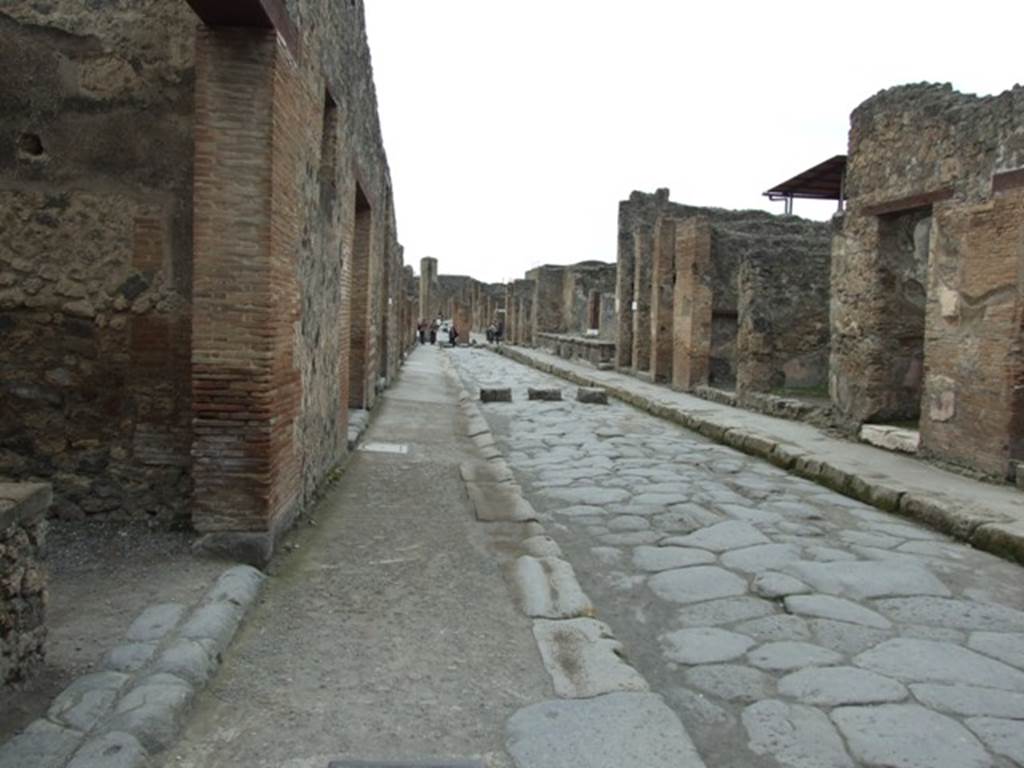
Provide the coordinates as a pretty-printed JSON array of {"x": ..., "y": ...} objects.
[
  {"x": 837, "y": 608},
  {"x": 704, "y": 645},
  {"x": 153, "y": 710},
  {"x": 721, "y": 537},
  {"x": 584, "y": 660},
  {"x": 970, "y": 700},
  {"x": 932, "y": 661},
  {"x": 1004, "y": 737},
  {"x": 592, "y": 396},
  {"x": 794, "y": 735},
  {"x": 908, "y": 736},
  {"x": 836, "y": 686},
  {"x": 155, "y": 622},
  {"x": 790, "y": 654},
  {"x": 41, "y": 745},
  {"x": 87, "y": 700},
  {"x": 696, "y": 584},
  {"x": 548, "y": 589},
  {"x": 655, "y": 559},
  {"x": 111, "y": 750},
  {"x": 731, "y": 682},
  {"x": 607, "y": 732},
  {"x": 860, "y": 580}
]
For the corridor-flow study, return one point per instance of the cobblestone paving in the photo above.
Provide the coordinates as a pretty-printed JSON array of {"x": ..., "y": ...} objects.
[{"x": 786, "y": 624}]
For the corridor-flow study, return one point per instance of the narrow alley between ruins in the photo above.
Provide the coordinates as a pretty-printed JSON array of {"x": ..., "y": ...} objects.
[{"x": 784, "y": 623}]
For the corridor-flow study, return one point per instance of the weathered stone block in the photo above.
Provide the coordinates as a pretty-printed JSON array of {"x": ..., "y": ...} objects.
[
  {"x": 592, "y": 395},
  {"x": 891, "y": 438},
  {"x": 539, "y": 393},
  {"x": 495, "y": 394}
]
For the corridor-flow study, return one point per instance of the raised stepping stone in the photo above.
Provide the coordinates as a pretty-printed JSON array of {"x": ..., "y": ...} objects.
[
  {"x": 584, "y": 659},
  {"x": 592, "y": 395},
  {"x": 704, "y": 645},
  {"x": 836, "y": 686},
  {"x": 795, "y": 735},
  {"x": 828, "y": 607},
  {"x": 500, "y": 503},
  {"x": 495, "y": 394},
  {"x": 548, "y": 589},
  {"x": 908, "y": 736},
  {"x": 613, "y": 731},
  {"x": 536, "y": 393},
  {"x": 696, "y": 584},
  {"x": 110, "y": 750},
  {"x": 930, "y": 661}
]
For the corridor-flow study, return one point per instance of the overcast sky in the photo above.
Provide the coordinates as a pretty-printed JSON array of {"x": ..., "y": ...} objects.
[{"x": 514, "y": 128}]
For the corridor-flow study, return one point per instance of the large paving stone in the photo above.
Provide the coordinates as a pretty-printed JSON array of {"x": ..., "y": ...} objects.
[
  {"x": 629, "y": 523},
  {"x": 845, "y": 638},
  {"x": 761, "y": 558},
  {"x": 792, "y": 654},
  {"x": 780, "y": 626},
  {"x": 129, "y": 657},
  {"x": 732, "y": 682},
  {"x": 725, "y": 611},
  {"x": 836, "y": 686},
  {"x": 630, "y": 538},
  {"x": 703, "y": 645},
  {"x": 908, "y": 736},
  {"x": 590, "y": 495},
  {"x": 692, "y": 517},
  {"x": 580, "y": 510},
  {"x": 614, "y": 731},
  {"x": 959, "y": 614},
  {"x": 548, "y": 589},
  {"x": 41, "y": 745},
  {"x": 110, "y": 750},
  {"x": 153, "y": 710},
  {"x": 930, "y": 661},
  {"x": 87, "y": 700},
  {"x": 655, "y": 559},
  {"x": 155, "y": 622},
  {"x": 1004, "y": 737},
  {"x": 584, "y": 659},
  {"x": 970, "y": 700},
  {"x": 775, "y": 585},
  {"x": 191, "y": 660},
  {"x": 696, "y": 584},
  {"x": 837, "y": 608},
  {"x": 860, "y": 580},
  {"x": 721, "y": 537},
  {"x": 1005, "y": 647},
  {"x": 795, "y": 736},
  {"x": 659, "y": 499}
]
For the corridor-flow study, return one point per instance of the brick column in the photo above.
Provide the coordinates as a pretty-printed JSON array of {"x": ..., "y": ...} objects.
[
  {"x": 691, "y": 331},
  {"x": 625, "y": 277},
  {"x": 662, "y": 279}
]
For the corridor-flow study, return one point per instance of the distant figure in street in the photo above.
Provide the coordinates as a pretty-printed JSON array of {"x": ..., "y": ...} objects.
[
  {"x": 421, "y": 329},
  {"x": 499, "y": 332},
  {"x": 491, "y": 333},
  {"x": 433, "y": 333},
  {"x": 453, "y": 334}
]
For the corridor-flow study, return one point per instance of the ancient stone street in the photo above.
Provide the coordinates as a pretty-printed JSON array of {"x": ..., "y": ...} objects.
[{"x": 785, "y": 624}]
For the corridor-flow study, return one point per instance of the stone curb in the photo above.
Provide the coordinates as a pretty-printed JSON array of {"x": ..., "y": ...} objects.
[
  {"x": 990, "y": 534},
  {"x": 135, "y": 706}
]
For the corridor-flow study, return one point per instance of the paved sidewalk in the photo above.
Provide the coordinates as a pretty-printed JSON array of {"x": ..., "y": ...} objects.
[
  {"x": 990, "y": 517},
  {"x": 388, "y": 631}
]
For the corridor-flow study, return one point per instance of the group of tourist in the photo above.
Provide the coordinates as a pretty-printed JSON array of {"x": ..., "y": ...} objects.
[{"x": 431, "y": 330}]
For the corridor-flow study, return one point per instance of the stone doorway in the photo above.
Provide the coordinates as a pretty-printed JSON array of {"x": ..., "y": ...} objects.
[{"x": 359, "y": 352}]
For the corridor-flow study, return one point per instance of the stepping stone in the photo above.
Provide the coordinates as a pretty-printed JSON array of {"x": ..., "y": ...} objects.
[
  {"x": 500, "y": 503},
  {"x": 931, "y": 661},
  {"x": 836, "y": 686},
  {"x": 592, "y": 395},
  {"x": 696, "y": 584},
  {"x": 613, "y": 731},
  {"x": 731, "y": 534},
  {"x": 861, "y": 580},
  {"x": 970, "y": 700},
  {"x": 789, "y": 654},
  {"x": 908, "y": 736},
  {"x": 41, "y": 744},
  {"x": 495, "y": 395},
  {"x": 796, "y": 736},
  {"x": 703, "y": 645},
  {"x": 654, "y": 559},
  {"x": 548, "y": 394},
  {"x": 584, "y": 659},
  {"x": 548, "y": 589},
  {"x": 828, "y": 607}
]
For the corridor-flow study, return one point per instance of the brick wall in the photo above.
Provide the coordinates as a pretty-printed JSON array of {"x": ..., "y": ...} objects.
[{"x": 662, "y": 285}]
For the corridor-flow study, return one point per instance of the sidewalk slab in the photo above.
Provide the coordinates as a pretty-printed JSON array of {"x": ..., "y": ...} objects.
[{"x": 988, "y": 516}]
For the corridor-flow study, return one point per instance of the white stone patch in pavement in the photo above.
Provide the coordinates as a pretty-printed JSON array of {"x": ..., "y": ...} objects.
[
  {"x": 837, "y": 608},
  {"x": 790, "y": 654},
  {"x": 548, "y": 589},
  {"x": 1004, "y": 737},
  {"x": 838, "y": 686},
  {"x": 654, "y": 559},
  {"x": 696, "y": 584},
  {"x": 970, "y": 700},
  {"x": 399, "y": 449},
  {"x": 584, "y": 659},
  {"x": 908, "y": 736},
  {"x": 614, "y": 731},
  {"x": 795, "y": 736},
  {"x": 1005, "y": 647},
  {"x": 862, "y": 580},
  {"x": 732, "y": 534},
  {"x": 931, "y": 661},
  {"x": 703, "y": 645},
  {"x": 960, "y": 614},
  {"x": 732, "y": 682},
  {"x": 774, "y": 585},
  {"x": 761, "y": 558}
]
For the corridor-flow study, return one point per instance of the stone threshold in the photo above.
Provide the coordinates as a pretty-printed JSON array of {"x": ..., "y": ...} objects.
[{"x": 989, "y": 517}]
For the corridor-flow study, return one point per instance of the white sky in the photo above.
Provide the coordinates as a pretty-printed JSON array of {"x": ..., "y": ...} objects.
[{"x": 513, "y": 128}]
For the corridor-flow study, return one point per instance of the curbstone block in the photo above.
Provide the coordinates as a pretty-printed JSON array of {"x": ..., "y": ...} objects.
[
  {"x": 548, "y": 589},
  {"x": 87, "y": 700},
  {"x": 42, "y": 745},
  {"x": 129, "y": 657},
  {"x": 153, "y": 711},
  {"x": 155, "y": 622}
]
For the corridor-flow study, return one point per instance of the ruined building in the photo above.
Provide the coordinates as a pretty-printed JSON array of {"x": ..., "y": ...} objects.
[
  {"x": 927, "y": 288},
  {"x": 199, "y": 270},
  {"x": 471, "y": 304},
  {"x": 734, "y": 300}
]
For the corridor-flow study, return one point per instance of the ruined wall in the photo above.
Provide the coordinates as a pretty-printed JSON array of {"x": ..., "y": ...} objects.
[
  {"x": 548, "y": 294},
  {"x": 428, "y": 289},
  {"x": 23, "y": 579},
  {"x": 96, "y": 256},
  {"x": 924, "y": 152},
  {"x": 580, "y": 283}
]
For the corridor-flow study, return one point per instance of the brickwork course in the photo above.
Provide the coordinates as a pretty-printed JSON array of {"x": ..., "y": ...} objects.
[{"x": 200, "y": 272}]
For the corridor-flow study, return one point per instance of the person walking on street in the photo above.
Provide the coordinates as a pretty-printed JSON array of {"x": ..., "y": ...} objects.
[
  {"x": 453, "y": 334},
  {"x": 421, "y": 330}
]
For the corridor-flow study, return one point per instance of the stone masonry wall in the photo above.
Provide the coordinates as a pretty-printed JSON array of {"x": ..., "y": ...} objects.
[
  {"x": 926, "y": 151},
  {"x": 95, "y": 257},
  {"x": 580, "y": 282},
  {"x": 23, "y": 595}
]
